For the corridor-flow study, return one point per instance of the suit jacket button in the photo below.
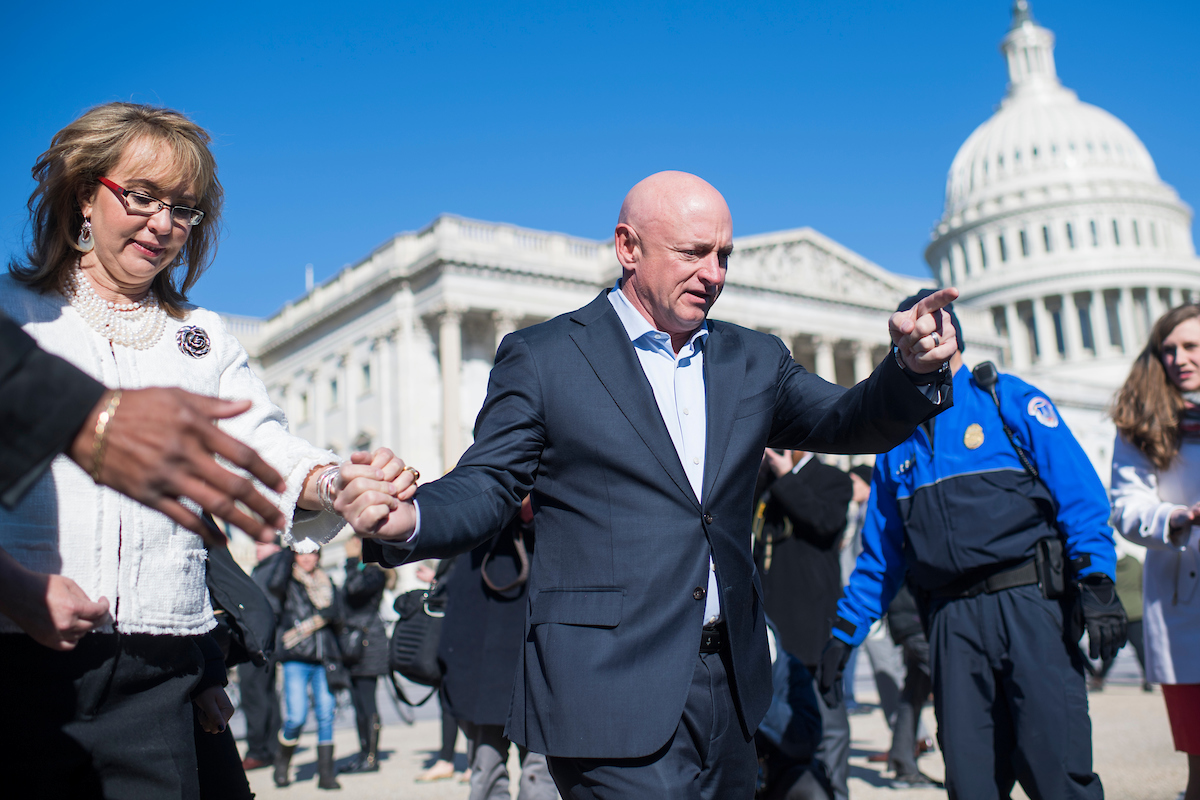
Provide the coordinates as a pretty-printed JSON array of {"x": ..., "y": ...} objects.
[
  {"x": 708, "y": 519},
  {"x": 699, "y": 593}
]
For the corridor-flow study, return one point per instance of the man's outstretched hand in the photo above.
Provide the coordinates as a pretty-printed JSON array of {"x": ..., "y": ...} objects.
[
  {"x": 160, "y": 448},
  {"x": 924, "y": 333}
]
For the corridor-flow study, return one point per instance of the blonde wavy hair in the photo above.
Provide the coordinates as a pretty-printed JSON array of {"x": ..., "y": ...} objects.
[
  {"x": 1147, "y": 409},
  {"x": 87, "y": 150}
]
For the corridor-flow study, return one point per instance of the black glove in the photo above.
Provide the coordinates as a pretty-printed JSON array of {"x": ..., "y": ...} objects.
[
  {"x": 1103, "y": 616},
  {"x": 829, "y": 671}
]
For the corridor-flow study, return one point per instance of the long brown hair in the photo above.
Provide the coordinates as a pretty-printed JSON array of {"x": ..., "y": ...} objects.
[
  {"x": 1147, "y": 408},
  {"x": 86, "y": 150}
]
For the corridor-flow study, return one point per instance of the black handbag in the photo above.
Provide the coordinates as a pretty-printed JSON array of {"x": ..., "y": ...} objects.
[
  {"x": 413, "y": 648},
  {"x": 246, "y": 621},
  {"x": 350, "y": 641}
]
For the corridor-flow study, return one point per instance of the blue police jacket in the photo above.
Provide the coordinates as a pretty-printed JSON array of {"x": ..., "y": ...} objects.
[{"x": 962, "y": 504}]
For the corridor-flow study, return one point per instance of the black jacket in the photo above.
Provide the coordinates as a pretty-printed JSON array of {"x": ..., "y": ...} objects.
[
  {"x": 803, "y": 581},
  {"x": 483, "y": 631},
  {"x": 295, "y": 606},
  {"x": 43, "y": 401},
  {"x": 363, "y": 592}
]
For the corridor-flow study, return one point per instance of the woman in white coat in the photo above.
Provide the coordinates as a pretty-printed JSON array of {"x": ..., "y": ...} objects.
[
  {"x": 1156, "y": 503},
  {"x": 123, "y": 222}
]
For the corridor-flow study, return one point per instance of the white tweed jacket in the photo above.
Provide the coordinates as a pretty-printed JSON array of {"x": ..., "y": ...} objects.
[{"x": 151, "y": 570}]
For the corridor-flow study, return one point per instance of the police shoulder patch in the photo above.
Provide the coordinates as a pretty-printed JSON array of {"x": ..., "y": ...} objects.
[{"x": 1043, "y": 411}]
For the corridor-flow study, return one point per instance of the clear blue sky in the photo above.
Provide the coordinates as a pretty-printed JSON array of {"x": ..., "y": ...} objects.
[{"x": 338, "y": 125}]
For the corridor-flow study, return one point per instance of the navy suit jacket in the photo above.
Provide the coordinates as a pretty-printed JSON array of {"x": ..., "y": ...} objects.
[{"x": 617, "y": 584}]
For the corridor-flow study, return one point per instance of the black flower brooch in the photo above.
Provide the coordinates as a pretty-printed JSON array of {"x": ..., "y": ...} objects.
[{"x": 193, "y": 341}]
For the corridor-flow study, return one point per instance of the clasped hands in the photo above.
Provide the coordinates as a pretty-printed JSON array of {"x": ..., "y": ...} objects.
[
  {"x": 924, "y": 335},
  {"x": 375, "y": 495}
]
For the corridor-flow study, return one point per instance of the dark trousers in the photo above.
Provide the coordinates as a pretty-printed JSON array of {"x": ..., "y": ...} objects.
[
  {"x": 834, "y": 749},
  {"x": 111, "y": 718},
  {"x": 1010, "y": 698},
  {"x": 362, "y": 694},
  {"x": 917, "y": 684},
  {"x": 707, "y": 758},
  {"x": 260, "y": 704}
]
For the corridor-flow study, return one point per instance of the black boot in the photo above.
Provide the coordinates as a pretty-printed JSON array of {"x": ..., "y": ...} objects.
[
  {"x": 364, "y": 734},
  {"x": 283, "y": 761},
  {"x": 368, "y": 759},
  {"x": 326, "y": 772}
]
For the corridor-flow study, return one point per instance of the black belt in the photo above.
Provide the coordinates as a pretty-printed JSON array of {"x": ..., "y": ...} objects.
[
  {"x": 712, "y": 639},
  {"x": 1023, "y": 574}
]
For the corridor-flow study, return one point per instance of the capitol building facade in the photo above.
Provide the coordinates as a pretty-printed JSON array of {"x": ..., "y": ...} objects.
[{"x": 1059, "y": 233}]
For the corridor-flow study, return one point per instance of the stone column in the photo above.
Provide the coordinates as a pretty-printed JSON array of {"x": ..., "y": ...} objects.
[
  {"x": 1072, "y": 330},
  {"x": 824, "y": 363},
  {"x": 1129, "y": 337},
  {"x": 317, "y": 391},
  {"x": 1018, "y": 337},
  {"x": 381, "y": 378},
  {"x": 1173, "y": 297},
  {"x": 1047, "y": 341},
  {"x": 504, "y": 322},
  {"x": 450, "y": 350},
  {"x": 1098, "y": 314},
  {"x": 863, "y": 366},
  {"x": 349, "y": 400},
  {"x": 1154, "y": 304}
]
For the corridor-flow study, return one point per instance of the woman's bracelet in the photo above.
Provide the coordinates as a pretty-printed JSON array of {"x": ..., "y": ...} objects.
[
  {"x": 100, "y": 440},
  {"x": 325, "y": 487}
]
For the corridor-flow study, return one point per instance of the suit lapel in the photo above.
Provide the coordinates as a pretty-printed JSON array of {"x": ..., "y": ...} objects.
[
  {"x": 724, "y": 368},
  {"x": 604, "y": 343}
]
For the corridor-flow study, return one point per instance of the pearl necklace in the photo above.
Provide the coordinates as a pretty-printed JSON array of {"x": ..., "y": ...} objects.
[{"x": 138, "y": 325}]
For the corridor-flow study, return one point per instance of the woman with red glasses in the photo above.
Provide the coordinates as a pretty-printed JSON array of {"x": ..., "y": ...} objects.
[{"x": 123, "y": 222}]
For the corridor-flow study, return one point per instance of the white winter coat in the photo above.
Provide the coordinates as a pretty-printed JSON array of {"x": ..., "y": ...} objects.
[
  {"x": 1142, "y": 503},
  {"x": 151, "y": 570}
]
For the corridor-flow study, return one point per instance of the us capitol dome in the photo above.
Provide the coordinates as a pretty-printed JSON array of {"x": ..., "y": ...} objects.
[{"x": 1061, "y": 236}]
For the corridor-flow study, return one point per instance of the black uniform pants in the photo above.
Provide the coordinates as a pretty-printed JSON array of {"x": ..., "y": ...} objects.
[
  {"x": 1010, "y": 698},
  {"x": 260, "y": 704},
  {"x": 110, "y": 719}
]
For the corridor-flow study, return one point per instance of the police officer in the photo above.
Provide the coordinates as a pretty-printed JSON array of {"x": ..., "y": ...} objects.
[{"x": 981, "y": 529}]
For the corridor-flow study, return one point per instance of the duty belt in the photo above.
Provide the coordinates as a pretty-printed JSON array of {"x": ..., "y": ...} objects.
[{"x": 1024, "y": 574}]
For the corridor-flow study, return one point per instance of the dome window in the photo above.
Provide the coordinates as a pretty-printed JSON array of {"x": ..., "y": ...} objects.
[
  {"x": 1070, "y": 236},
  {"x": 1024, "y": 243},
  {"x": 1035, "y": 154},
  {"x": 982, "y": 254},
  {"x": 1116, "y": 234},
  {"x": 1003, "y": 247},
  {"x": 1153, "y": 234},
  {"x": 1095, "y": 234},
  {"x": 1137, "y": 239},
  {"x": 1046, "y": 237},
  {"x": 1091, "y": 148}
]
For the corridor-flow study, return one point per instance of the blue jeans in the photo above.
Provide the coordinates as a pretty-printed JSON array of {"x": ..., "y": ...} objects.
[{"x": 297, "y": 677}]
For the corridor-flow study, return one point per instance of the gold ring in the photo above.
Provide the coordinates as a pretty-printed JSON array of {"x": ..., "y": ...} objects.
[{"x": 416, "y": 473}]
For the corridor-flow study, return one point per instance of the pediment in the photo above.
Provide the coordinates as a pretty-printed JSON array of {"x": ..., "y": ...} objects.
[{"x": 806, "y": 263}]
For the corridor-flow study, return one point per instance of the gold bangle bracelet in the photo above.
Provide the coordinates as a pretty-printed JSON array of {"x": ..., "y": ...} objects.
[{"x": 100, "y": 441}]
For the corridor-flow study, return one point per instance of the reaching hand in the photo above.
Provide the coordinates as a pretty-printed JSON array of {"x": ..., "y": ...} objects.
[
  {"x": 376, "y": 495},
  {"x": 50, "y": 608},
  {"x": 214, "y": 709},
  {"x": 779, "y": 463},
  {"x": 924, "y": 333},
  {"x": 1181, "y": 522},
  {"x": 160, "y": 448}
]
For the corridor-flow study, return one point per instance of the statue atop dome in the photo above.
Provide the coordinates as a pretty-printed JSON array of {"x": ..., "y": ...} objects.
[{"x": 1021, "y": 14}]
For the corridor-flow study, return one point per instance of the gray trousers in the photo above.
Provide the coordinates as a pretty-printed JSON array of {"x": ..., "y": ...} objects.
[{"x": 489, "y": 767}]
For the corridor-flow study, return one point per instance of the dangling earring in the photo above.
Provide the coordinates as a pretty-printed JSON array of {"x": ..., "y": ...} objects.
[{"x": 84, "y": 242}]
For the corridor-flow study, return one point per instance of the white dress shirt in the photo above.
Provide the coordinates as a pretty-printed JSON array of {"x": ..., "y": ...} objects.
[{"x": 678, "y": 384}]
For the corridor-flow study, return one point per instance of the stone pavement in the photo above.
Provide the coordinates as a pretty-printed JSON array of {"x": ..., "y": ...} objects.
[{"x": 1131, "y": 738}]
